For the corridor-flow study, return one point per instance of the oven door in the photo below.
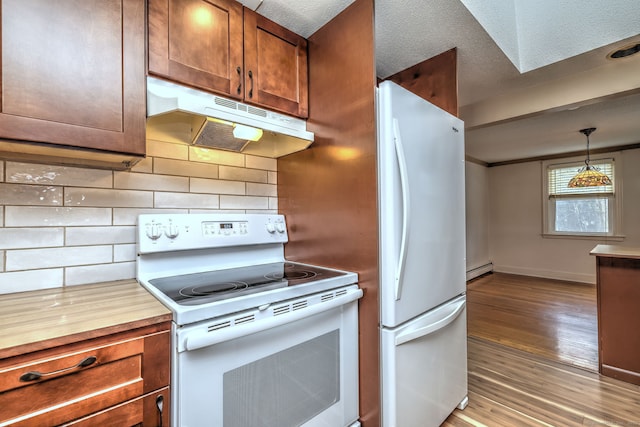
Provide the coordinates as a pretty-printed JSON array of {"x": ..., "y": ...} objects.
[{"x": 302, "y": 370}]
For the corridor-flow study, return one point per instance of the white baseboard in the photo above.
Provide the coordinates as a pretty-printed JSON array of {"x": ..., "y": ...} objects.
[
  {"x": 479, "y": 271},
  {"x": 546, "y": 274}
]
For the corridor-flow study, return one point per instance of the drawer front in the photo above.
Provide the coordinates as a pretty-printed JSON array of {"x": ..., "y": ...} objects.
[
  {"x": 39, "y": 371},
  {"x": 127, "y": 414},
  {"x": 61, "y": 386},
  {"x": 144, "y": 411}
]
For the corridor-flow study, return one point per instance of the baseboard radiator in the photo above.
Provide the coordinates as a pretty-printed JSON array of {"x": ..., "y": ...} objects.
[{"x": 479, "y": 271}]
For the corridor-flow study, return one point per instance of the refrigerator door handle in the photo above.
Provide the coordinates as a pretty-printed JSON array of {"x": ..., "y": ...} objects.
[
  {"x": 421, "y": 330},
  {"x": 404, "y": 186}
]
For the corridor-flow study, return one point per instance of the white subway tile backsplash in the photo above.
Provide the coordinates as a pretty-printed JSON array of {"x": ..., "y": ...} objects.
[
  {"x": 168, "y": 150},
  {"x": 31, "y": 280},
  {"x": 243, "y": 174},
  {"x": 143, "y": 166},
  {"x": 254, "y": 189},
  {"x": 143, "y": 181},
  {"x": 272, "y": 177},
  {"x": 129, "y": 216},
  {"x": 100, "y": 273},
  {"x": 77, "y": 236},
  {"x": 273, "y": 203},
  {"x": 22, "y": 194},
  {"x": 72, "y": 225},
  {"x": 186, "y": 200},
  {"x": 75, "y": 196},
  {"x": 217, "y": 211},
  {"x": 40, "y": 216},
  {"x": 185, "y": 168},
  {"x": 123, "y": 253},
  {"x": 216, "y": 186},
  {"x": 244, "y": 202},
  {"x": 31, "y": 173},
  {"x": 31, "y": 259},
  {"x": 256, "y": 162},
  {"x": 219, "y": 157},
  {"x": 22, "y": 238}
]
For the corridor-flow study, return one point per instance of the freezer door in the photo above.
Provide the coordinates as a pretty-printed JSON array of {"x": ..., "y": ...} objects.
[
  {"x": 422, "y": 209},
  {"x": 424, "y": 367}
]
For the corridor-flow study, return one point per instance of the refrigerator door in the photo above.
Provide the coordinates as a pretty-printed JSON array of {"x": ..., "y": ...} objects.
[
  {"x": 424, "y": 367},
  {"x": 422, "y": 211}
]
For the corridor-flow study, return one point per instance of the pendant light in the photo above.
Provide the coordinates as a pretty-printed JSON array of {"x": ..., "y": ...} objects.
[{"x": 589, "y": 176}]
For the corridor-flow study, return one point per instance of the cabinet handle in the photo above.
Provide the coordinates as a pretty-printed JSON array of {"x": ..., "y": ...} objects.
[
  {"x": 239, "y": 70},
  {"x": 35, "y": 375},
  {"x": 160, "y": 406},
  {"x": 251, "y": 80}
]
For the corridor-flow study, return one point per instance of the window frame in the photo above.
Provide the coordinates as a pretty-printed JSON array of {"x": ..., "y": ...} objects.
[{"x": 615, "y": 200}]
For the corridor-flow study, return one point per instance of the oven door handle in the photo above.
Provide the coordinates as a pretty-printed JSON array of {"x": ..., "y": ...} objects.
[{"x": 201, "y": 339}]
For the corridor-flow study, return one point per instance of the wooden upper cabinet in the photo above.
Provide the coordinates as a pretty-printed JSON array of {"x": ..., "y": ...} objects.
[
  {"x": 197, "y": 42},
  {"x": 221, "y": 47},
  {"x": 275, "y": 61},
  {"x": 73, "y": 73}
]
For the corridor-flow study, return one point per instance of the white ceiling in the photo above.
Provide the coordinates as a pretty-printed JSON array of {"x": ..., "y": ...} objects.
[{"x": 509, "y": 114}]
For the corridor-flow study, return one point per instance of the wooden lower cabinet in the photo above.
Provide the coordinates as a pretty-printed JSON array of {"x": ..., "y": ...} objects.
[
  {"x": 116, "y": 380},
  {"x": 618, "y": 281}
]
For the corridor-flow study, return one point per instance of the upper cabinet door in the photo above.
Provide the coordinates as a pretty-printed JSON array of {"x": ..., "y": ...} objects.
[
  {"x": 73, "y": 73},
  {"x": 197, "y": 42},
  {"x": 275, "y": 61}
]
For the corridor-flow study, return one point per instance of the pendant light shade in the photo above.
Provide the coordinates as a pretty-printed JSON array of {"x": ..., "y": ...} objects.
[{"x": 589, "y": 176}]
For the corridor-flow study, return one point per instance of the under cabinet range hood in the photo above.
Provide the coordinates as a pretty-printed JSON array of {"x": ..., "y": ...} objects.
[{"x": 177, "y": 113}]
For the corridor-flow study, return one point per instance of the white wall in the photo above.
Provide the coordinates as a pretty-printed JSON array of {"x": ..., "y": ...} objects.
[
  {"x": 477, "y": 218},
  {"x": 515, "y": 224}
]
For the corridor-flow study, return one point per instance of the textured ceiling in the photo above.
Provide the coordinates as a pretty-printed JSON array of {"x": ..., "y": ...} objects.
[
  {"x": 510, "y": 114},
  {"x": 535, "y": 34}
]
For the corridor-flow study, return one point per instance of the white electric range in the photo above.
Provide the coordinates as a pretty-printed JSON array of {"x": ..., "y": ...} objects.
[{"x": 248, "y": 323}]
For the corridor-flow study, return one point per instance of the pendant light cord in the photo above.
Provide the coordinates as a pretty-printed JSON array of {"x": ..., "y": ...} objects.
[{"x": 587, "y": 132}]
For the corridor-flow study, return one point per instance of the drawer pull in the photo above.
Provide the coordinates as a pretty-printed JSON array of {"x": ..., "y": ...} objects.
[
  {"x": 160, "y": 406},
  {"x": 35, "y": 375}
]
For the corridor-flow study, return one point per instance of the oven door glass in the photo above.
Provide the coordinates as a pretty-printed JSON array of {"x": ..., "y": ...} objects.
[{"x": 303, "y": 373}]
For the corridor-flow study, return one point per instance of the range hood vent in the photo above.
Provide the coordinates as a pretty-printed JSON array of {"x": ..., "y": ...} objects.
[{"x": 178, "y": 113}]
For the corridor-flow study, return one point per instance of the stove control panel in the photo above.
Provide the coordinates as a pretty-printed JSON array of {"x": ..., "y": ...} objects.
[
  {"x": 170, "y": 232},
  {"x": 224, "y": 228}
]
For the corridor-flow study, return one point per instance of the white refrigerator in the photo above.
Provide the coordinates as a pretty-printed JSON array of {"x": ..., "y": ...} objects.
[{"x": 422, "y": 260}]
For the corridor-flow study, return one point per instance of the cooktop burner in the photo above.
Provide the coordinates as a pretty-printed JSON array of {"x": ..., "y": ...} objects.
[{"x": 209, "y": 286}]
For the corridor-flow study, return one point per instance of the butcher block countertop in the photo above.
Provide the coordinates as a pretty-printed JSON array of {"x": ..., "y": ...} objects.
[
  {"x": 36, "y": 320},
  {"x": 613, "y": 251}
]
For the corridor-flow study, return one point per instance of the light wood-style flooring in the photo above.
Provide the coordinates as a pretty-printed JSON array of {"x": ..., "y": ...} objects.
[{"x": 533, "y": 358}]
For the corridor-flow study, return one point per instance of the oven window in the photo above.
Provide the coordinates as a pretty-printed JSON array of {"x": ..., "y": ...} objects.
[{"x": 287, "y": 388}]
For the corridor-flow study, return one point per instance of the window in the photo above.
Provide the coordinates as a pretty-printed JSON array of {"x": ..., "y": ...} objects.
[{"x": 590, "y": 211}]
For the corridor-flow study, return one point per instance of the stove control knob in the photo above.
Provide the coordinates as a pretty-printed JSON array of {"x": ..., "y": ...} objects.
[
  {"x": 153, "y": 231},
  {"x": 280, "y": 227},
  {"x": 271, "y": 228},
  {"x": 172, "y": 231}
]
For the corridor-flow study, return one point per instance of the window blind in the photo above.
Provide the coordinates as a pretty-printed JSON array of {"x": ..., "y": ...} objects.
[{"x": 559, "y": 176}]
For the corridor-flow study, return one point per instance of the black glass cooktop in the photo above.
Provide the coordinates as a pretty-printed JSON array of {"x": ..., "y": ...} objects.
[{"x": 209, "y": 286}]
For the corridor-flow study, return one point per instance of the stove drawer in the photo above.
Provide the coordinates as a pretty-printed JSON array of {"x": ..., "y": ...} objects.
[{"x": 59, "y": 385}]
